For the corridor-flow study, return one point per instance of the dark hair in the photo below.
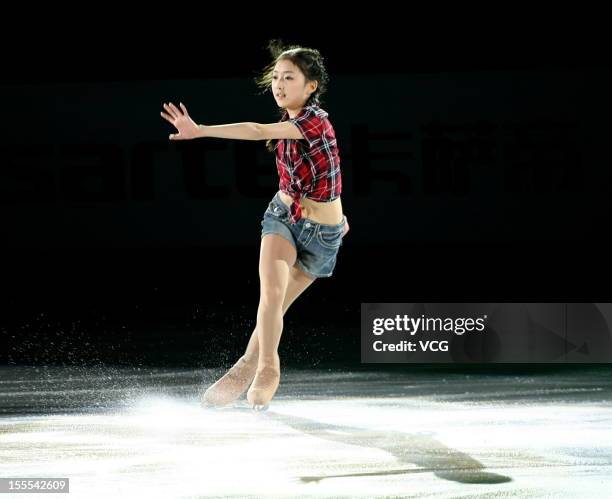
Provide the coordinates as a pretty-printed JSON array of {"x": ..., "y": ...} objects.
[{"x": 308, "y": 60}]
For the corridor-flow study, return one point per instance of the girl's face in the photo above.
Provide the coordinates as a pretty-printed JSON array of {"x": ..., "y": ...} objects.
[{"x": 289, "y": 85}]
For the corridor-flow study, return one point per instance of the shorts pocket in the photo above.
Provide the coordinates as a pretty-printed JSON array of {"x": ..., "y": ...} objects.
[{"x": 330, "y": 239}]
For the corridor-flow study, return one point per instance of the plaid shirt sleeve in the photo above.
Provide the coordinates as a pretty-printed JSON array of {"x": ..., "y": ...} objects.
[{"x": 310, "y": 125}]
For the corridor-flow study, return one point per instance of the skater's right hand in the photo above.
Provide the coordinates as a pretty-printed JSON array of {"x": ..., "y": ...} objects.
[{"x": 186, "y": 127}]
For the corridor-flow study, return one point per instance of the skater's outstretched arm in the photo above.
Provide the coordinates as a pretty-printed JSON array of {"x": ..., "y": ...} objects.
[{"x": 189, "y": 129}]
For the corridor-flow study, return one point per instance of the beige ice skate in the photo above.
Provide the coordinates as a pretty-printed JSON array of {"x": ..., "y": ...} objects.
[
  {"x": 264, "y": 386},
  {"x": 233, "y": 384}
]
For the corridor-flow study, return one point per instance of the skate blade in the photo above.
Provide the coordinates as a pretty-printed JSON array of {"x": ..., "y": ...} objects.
[{"x": 260, "y": 407}]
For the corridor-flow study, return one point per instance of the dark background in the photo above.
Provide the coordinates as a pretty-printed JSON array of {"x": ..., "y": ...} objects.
[{"x": 83, "y": 293}]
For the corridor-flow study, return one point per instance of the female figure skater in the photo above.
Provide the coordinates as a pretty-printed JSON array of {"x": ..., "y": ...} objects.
[{"x": 303, "y": 226}]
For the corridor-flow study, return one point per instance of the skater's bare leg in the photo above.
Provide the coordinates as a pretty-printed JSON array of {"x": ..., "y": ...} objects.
[
  {"x": 277, "y": 257},
  {"x": 239, "y": 377}
]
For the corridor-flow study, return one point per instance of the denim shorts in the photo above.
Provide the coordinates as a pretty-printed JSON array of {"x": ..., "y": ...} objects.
[{"x": 316, "y": 244}]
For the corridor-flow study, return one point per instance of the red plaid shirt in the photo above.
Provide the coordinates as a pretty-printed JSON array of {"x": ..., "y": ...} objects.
[{"x": 309, "y": 167}]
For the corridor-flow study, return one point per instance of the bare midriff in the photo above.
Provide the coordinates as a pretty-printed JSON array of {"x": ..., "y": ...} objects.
[{"x": 317, "y": 211}]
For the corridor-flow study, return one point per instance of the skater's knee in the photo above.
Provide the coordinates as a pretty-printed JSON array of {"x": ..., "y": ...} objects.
[
  {"x": 273, "y": 284},
  {"x": 272, "y": 296}
]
